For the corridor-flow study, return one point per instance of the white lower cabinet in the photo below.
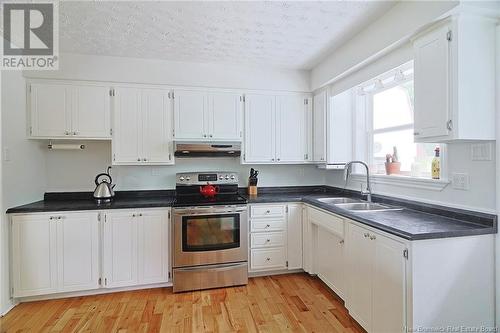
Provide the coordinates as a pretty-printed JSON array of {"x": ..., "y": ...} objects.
[
  {"x": 54, "y": 253},
  {"x": 377, "y": 280},
  {"x": 275, "y": 237},
  {"x": 135, "y": 248},
  {"x": 60, "y": 252}
]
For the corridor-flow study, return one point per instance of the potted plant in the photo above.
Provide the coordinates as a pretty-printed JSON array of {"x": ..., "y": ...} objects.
[{"x": 392, "y": 164}]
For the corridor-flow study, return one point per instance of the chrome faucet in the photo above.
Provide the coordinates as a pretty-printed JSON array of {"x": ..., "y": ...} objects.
[{"x": 347, "y": 173}]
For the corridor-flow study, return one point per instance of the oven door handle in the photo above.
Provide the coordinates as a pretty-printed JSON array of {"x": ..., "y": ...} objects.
[{"x": 207, "y": 211}]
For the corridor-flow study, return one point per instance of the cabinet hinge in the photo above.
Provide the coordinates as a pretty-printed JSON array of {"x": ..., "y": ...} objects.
[
  {"x": 105, "y": 281},
  {"x": 30, "y": 87},
  {"x": 105, "y": 218},
  {"x": 12, "y": 291},
  {"x": 244, "y": 157},
  {"x": 286, "y": 209},
  {"x": 169, "y": 157},
  {"x": 114, "y": 157},
  {"x": 241, "y": 134},
  {"x": 168, "y": 214},
  {"x": 110, "y": 131},
  {"x": 99, "y": 281},
  {"x": 287, "y": 263},
  {"x": 449, "y": 35},
  {"x": 241, "y": 98},
  {"x": 173, "y": 95},
  {"x": 169, "y": 95},
  {"x": 244, "y": 99},
  {"x": 31, "y": 130},
  {"x": 405, "y": 253},
  {"x": 110, "y": 92},
  {"x": 99, "y": 217},
  {"x": 169, "y": 275},
  {"x": 306, "y": 101}
]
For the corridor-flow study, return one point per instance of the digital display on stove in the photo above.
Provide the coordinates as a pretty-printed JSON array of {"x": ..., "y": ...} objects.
[{"x": 207, "y": 177}]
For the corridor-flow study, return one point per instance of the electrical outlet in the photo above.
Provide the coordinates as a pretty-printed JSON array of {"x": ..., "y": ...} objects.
[
  {"x": 481, "y": 151},
  {"x": 6, "y": 154},
  {"x": 460, "y": 181}
]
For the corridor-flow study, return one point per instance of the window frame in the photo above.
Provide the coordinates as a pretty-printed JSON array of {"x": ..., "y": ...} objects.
[{"x": 400, "y": 180}]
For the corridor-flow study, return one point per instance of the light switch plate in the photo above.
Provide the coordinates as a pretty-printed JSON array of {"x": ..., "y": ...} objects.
[
  {"x": 481, "y": 151},
  {"x": 460, "y": 181}
]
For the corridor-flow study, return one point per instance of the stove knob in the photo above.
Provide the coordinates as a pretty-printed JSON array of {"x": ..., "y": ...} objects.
[
  {"x": 181, "y": 178},
  {"x": 232, "y": 177},
  {"x": 227, "y": 177}
]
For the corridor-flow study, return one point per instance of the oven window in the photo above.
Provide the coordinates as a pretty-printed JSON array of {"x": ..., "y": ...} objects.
[{"x": 210, "y": 232}]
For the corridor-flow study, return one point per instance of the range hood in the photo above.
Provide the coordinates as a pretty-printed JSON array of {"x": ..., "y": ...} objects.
[{"x": 208, "y": 149}]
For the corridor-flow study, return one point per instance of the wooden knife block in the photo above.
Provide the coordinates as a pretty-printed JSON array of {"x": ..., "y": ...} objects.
[{"x": 252, "y": 190}]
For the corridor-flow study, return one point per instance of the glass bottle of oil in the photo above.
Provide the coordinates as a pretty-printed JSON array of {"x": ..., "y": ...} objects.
[{"x": 436, "y": 165}]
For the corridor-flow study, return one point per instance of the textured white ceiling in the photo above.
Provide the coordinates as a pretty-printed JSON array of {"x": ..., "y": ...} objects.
[{"x": 285, "y": 34}]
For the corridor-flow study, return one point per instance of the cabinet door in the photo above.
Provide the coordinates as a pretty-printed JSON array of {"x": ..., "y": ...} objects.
[
  {"x": 78, "y": 251},
  {"x": 259, "y": 128},
  {"x": 127, "y": 126},
  {"x": 294, "y": 236},
  {"x": 360, "y": 278},
  {"x": 330, "y": 260},
  {"x": 340, "y": 129},
  {"x": 432, "y": 84},
  {"x": 190, "y": 114},
  {"x": 153, "y": 247},
  {"x": 224, "y": 122},
  {"x": 157, "y": 144},
  {"x": 389, "y": 287},
  {"x": 91, "y": 112},
  {"x": 34, "y": 269},
  {"x": 120, "y": 249},
  {"x": 291, "y": 121},
  {"x": 319, "y": 127},
  {"x": 50, "y": 106}
]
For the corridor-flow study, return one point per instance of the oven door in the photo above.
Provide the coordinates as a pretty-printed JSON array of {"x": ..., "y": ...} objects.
[{"x": 210, "y": 235}]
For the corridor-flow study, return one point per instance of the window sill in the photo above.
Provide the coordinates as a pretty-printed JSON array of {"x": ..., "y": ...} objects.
[{"x": 402, "y": 181}]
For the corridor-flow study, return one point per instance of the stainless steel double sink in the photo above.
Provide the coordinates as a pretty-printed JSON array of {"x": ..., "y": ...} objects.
[{"x": 355, "y": 205}]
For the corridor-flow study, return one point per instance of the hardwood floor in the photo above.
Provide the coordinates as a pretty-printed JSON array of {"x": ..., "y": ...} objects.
[{"x": 284, "y": 303}]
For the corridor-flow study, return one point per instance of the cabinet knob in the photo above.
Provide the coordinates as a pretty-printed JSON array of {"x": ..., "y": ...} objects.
[
  {"x": 366, "y": 235},
  {"x": 211, "y": 135},
  {"x": 416, "y": 133},
  {"x": 268, "y": 225},
  {"x": 75, "y": 133},
  {"x": 204, "y": 135},
  {"x": 133, "y": 215},
  {"x": 268, "y": 259},
  {"x": 341, "y": 241},
  {"x": 279, "y": 159},
  {"x": 272, "y": 159},
  {"x": 66, "y": 132},
  {"x": 268, "y": 211},
  {"x": 268, "y": 240},
  {"x": 373, "y": 237},
  {"x": 144, "y": 159},
  {"x": 138, "y": 159}
]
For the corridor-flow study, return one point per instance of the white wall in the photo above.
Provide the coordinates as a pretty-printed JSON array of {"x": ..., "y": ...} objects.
[
  {"x": 75, "y": 171},
  {"x": 398, "y": 23},
  {"x": 23, "y": 175},
  {"x": 151, "y": 71}
]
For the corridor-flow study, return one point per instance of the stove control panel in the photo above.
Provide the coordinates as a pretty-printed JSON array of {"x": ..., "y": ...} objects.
[{"x": 202, "y": 178}]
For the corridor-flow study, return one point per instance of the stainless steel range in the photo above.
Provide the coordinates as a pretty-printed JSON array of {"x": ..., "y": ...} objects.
[{"x": 210, "y": 240}]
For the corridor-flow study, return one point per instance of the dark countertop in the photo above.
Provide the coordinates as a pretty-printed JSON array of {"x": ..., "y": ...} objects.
[{"x": 415, "y": 221}]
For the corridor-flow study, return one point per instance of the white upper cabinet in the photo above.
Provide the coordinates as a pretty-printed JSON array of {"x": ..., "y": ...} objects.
[
  {"x": 207, "y": 116},
  {"x": 291, "y": 118},
  {"x": 455, "y": 80},
  {"x": 260, "y": 117},
  {"x": 225, "y": 116},
  {"x": 319, "y": 127},
  {"x": 339, "y": 130},
  {"x": 190, "y": 114},
  {"x": 276, "y": 129},
  {"x": 69, "y": 110},
  {"x": 142, "y": 123}
]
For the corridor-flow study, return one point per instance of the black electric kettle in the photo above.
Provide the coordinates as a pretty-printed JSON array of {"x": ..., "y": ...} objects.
[{"x": 104, "y": 187}]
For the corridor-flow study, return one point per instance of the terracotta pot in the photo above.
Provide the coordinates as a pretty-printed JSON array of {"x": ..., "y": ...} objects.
[{"x": 393, "y": 168}]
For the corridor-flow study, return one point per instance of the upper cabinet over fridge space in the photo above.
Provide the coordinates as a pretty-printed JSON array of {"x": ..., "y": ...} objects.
[
  {"x": 455, "y": 80},
  {"x": 202, "y": 115}
]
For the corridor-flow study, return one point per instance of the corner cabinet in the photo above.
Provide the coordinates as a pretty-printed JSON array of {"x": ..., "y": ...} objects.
[
  {"x": 319, "y": 127},
  {"x": 142, "y": 126},
  {"x": 277, "y": 129},
  {"x": 69, "y": 110},
  {"x": 207, "y": 115},
  {"x": 54, "y": 253},
  {"x": 454, "y": 80}
]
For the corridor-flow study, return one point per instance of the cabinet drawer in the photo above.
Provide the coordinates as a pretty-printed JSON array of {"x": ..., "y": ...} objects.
[
  {"x": 268, "y": 258},
  {"x": 330, "y": 222},
  {"x": 267, "y": 211},
  {"x": 267, "y": 225},
  {"x": 267, "y": 239}
]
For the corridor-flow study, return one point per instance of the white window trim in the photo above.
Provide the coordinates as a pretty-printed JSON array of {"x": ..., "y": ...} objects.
[{"x": 397, "y": 180}]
